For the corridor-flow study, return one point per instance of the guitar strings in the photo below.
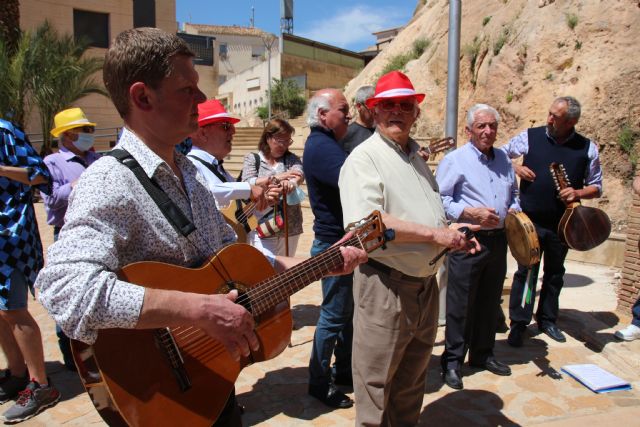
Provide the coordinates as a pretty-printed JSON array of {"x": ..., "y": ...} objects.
[
  {"x": 190, "y": 336},
  {"x": 332, "y": 258},
  {"x": 270, "y": 287}
]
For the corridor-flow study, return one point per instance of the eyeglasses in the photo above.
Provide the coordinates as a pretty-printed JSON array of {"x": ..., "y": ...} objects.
[
  {"x": 390, "y": 105},
  {"x": 283, "y": 141}
]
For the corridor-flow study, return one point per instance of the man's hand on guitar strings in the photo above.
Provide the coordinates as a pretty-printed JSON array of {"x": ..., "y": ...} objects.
[
  {"x": 351, "y": 255},
  {"x": 230, "y": 323}
]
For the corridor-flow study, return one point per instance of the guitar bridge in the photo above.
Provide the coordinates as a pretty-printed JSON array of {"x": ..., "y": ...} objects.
[{"x": 167, "y": 345}]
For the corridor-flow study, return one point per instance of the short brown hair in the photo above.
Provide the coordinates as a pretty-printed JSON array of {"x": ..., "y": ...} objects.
[
  {"x": 139, "y": 55},
  {"x": 275, "y": 126}
]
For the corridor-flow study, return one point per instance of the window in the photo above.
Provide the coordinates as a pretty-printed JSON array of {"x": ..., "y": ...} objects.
[
  {"x": 223, "y": 50},
  {"x": 93, "y": 26},
  {"x": 144, "y": 13},
  {"x": 257, "y": 52}
]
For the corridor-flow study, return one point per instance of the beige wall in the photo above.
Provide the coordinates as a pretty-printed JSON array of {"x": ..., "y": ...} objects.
[
  {"x": 60, "y": 15},
  {"x": 319, "y": 74},
  {"x": 208, "y": 82}
]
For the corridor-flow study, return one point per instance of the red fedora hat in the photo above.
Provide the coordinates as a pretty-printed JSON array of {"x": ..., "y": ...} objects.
[
  {"x": 212, "y": 111},
  {"x": 394, "y": 85}
]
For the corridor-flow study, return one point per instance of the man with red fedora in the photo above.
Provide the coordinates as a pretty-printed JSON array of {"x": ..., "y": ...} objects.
[
  {"x": 211, "y": 144},
  {"x": 395, "y": 292}
]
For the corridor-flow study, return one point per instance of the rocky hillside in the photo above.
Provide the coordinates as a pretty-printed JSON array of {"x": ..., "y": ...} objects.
[{"x": 518, "y": 55}]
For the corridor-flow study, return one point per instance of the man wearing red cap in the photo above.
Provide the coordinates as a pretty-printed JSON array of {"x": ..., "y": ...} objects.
[
  {"x": 211, "y": 144},
  {"x": 395, "y": 292}
]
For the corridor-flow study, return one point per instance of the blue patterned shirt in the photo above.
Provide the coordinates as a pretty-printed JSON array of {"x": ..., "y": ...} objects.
[{"x": 20, "y": 246}]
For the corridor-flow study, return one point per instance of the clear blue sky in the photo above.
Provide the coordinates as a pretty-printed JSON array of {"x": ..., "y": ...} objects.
[{"x": 344, "y": 23}]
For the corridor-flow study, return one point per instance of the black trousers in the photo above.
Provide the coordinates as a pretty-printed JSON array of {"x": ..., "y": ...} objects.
[
  {"x": 231, "y": 415},
  {"x": 473, "y": 299},
  {"x": 553, "y": 255}
]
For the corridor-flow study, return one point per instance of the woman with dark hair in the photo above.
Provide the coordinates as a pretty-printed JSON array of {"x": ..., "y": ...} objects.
[{"x": 275, "y": 164}]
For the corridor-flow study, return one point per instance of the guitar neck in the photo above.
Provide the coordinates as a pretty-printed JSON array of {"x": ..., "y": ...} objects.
[{"x": 272, "y": 291}]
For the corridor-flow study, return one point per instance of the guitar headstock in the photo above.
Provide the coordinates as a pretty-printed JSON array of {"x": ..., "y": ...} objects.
[
  {"x": 368, "y": 233},
  {"x": 560, "y": 177},
  {"x": 439, "y": 145}
]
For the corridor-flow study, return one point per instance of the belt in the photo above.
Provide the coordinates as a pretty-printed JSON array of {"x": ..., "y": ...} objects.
[
  {"x": 490, "y": 233},
  {"x": 393, "y": 273}
]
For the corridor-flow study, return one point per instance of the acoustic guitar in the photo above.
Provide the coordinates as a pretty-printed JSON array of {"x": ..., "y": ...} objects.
[
  {"x": 180, "y": 375},
  {"x": 581, "y": 227},
  {"x": 239, "y": 216}
]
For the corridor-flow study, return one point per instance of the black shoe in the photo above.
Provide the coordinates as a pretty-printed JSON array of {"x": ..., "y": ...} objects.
[
  {"x": 555, "y": 333},
  {"x": 453, "y": 379},
  {"x": 502, "y": 327},
  {"x": 343, "y": 380},
  {"x": 515, "y": 337},
  {"x": 330, "y": 396},
  {"x": 494, "y": 366}
]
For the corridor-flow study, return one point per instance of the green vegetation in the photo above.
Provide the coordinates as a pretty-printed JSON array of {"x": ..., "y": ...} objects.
[
  {"x": 502, "y": 39},
  {"x": 572, "y": 20},
  {"x": 419, "y": 46},
  {"x": 286, "y": 100},
  {"x": 473, "y": 51},
  {"x": 47, "y": 71},
  {"x": 486, "y": 20},
  {"x": 398, "y": 62},
  {"x": 627, "y": 138},
  {"x": 509, "y": 96},
  {"x": 549, "y": 76},
  {"x": 578, "y": 45}
]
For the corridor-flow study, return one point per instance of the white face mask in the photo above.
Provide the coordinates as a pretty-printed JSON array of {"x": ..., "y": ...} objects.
[{"x": 84, "y": 141}]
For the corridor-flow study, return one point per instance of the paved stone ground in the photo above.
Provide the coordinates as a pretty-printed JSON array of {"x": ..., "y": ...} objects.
[{"x": 274, "y": 392}]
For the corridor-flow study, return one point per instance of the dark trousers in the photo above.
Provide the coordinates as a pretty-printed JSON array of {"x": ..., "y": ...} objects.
[
  {"x": 473, "y": 298},
  {"x": 334, "y": 330},
  {"x": 231, "y": 415},
  {"x": 553, "y": 253}
]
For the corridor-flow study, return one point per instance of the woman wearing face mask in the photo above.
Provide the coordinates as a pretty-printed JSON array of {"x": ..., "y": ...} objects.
[{"x": 75, "y": 154}]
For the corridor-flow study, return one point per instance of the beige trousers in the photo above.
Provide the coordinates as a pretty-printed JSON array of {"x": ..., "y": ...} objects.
[{"x": 394, "y": 329}]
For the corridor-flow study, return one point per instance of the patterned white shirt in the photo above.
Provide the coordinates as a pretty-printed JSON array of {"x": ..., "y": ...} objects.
[{"x": 112, "y": 222}]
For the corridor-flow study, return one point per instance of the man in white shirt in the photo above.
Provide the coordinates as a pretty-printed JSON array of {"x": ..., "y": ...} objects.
[{"x": 212, "y": 142}]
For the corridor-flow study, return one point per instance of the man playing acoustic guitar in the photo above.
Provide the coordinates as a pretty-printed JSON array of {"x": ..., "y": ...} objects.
[
  {"x": 559, "y": 142},
  {"x": 112, "y": 221}
]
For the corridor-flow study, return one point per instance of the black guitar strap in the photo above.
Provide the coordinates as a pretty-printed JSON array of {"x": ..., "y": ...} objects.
[
  {"x": 169, "y": 209},
  {"x": 209, "y": 166}
]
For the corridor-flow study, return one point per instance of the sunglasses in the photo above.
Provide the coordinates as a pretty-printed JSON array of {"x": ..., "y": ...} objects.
[
  {"x": 224, "y": 125},
  {"x": 390, "y": 105}
]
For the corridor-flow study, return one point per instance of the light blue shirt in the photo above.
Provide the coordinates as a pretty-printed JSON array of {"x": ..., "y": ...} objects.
[
  {"x": 468, "y": 178},
  {"x": 519, "y": 146}
]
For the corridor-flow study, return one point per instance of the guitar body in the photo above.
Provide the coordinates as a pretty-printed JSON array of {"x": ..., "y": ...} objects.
[
  {"x": 241, "y": 227},
  {"x": 583, "y": 227},
  {"x": 127, "y": 374}
]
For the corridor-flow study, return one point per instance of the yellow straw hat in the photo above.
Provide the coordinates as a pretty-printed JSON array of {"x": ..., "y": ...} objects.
[{"x": 69, "y": 119}]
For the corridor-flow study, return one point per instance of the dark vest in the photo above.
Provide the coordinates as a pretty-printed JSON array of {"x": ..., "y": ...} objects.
[{"x": 538, "y": 199}]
